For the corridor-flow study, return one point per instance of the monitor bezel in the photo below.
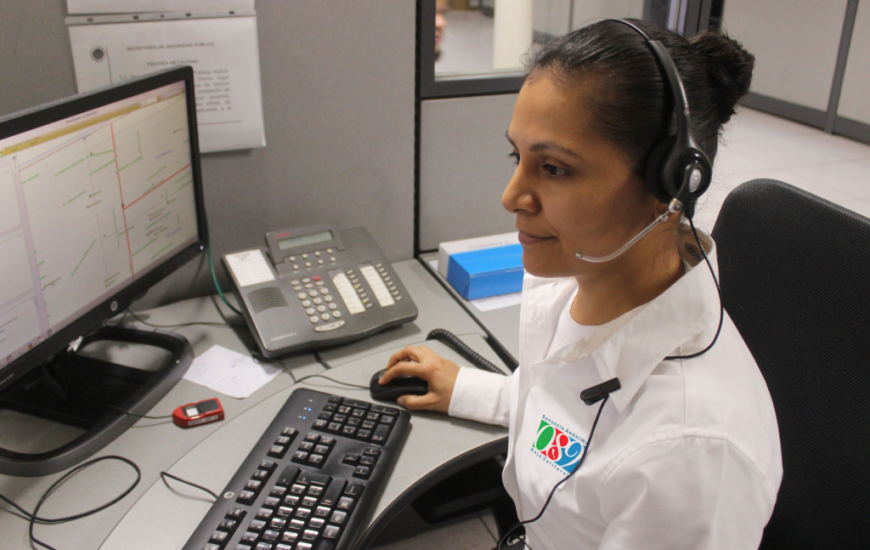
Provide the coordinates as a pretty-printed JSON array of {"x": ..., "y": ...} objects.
[{"x": 22, "y": 121}]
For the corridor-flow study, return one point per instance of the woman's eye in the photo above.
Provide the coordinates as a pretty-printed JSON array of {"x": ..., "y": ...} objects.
[
  {"x": 555, "y": 170},
  {"x": 515, "y": 156}
]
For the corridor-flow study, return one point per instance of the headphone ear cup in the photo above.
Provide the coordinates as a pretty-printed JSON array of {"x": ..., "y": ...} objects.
[{"x": 655, "y": 167}]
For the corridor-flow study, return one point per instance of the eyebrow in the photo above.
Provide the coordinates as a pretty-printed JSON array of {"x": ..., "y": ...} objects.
[{"x": 545, "y": 145}]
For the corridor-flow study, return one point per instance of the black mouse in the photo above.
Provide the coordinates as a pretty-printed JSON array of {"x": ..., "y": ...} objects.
[{"x": 399, "y": 386}]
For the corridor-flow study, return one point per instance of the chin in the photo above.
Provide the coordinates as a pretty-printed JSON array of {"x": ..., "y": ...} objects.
[{"x": 547, "y": 267}]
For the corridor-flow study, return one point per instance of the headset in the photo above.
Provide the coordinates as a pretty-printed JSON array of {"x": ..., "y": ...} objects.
[{"x": 678, "y": 171}]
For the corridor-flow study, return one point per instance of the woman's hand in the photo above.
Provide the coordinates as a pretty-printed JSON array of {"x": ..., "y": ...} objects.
[{"x": 423, "y": 362}]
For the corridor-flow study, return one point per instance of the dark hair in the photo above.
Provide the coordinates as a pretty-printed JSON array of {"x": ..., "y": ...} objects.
[{"x": 632, "y": 103}]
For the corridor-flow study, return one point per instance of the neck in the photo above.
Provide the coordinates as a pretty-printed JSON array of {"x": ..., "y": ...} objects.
[{"x": 629, "y": 281}]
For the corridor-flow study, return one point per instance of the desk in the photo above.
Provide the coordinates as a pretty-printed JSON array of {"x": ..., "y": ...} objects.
[{"x": 153, "y": 517}]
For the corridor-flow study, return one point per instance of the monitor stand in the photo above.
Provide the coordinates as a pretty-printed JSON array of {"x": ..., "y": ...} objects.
[{"x": 91, "y": 394}]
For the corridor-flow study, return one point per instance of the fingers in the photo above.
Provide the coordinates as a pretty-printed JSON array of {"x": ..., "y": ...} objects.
[
  {"x": 409, "y": 352},
  {"x": 426, "y": 402},
  {"x": 405, "y": 368}
]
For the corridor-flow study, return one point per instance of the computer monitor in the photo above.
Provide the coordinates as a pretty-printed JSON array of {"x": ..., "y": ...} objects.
[{"x": 100, "y": 198}]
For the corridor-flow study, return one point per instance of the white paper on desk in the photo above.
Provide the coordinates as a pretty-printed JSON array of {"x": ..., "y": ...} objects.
[
  {"x": 222, "y": 51},
  {"x": 135, "y": 6},
  {"x": 493, "y": 302},
  {"x": 229, "y": 373}
]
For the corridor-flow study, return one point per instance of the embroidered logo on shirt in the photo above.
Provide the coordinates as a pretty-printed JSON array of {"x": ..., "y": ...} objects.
[{"x": 558, "y": 446}]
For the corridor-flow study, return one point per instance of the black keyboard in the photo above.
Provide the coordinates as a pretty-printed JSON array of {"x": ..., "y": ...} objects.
[{"x": 310, "y": 479}]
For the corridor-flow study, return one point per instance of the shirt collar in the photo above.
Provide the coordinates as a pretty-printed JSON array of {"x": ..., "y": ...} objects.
[{"x": 680, "y": 321}]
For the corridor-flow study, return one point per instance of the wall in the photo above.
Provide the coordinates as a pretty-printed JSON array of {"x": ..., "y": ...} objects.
[
  {"x": 854, "y": 101},
  {"x": 795, "y": 43},
  {"x": 464, "y": 168},
  {"x": 338, "y": 97}
]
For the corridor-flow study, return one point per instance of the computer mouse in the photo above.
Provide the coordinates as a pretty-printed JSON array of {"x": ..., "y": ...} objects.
[{"x": 399, "y": 386}]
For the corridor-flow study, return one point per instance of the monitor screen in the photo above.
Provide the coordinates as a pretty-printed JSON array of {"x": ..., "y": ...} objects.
[{"x": 100, "y": 194}]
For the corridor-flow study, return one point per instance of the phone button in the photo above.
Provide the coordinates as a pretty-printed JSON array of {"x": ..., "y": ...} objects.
[
  {"x": 330, "y": 326},
  {"x": 314, "y": 320}
]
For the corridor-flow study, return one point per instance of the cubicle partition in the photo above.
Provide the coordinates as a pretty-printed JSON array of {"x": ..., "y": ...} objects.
[{"x": 809, "y": 60}]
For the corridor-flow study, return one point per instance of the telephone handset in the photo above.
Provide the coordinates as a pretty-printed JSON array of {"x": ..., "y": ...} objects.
[{"x": 317, "y": 286}]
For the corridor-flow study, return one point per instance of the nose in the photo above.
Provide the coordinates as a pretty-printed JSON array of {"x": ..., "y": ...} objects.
[{"x": 518, "y": 195}]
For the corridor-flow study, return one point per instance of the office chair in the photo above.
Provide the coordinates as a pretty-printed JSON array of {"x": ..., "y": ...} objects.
[{"x": 795, "y": 278}]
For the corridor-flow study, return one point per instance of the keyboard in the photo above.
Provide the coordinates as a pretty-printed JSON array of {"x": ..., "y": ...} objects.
[{"x": 309, "y": 481}]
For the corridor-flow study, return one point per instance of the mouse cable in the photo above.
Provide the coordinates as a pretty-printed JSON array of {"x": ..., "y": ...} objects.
[
  {"x": 503, "y": 540},
  {"x": 122, "y": 411},
  {"x": 33, "y": 517},
  {"x": 180, "y": 325},
  {"x": 164, "y": 475},
  {"x": 331, "y": 380}
]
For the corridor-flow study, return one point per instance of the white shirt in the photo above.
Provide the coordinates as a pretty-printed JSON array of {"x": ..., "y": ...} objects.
[{"x": 686, "y": 455}]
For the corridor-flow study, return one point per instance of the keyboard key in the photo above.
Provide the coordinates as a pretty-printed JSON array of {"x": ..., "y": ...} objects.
[
  {"x": 315, "y": 460},
  {"x": 373, "y": 416},
  {"x": 306, "y": 446},
  {"x": 387, "y": 419},
  {"x": 312, "y": 437},
  {"x": 228, "y": 525},
  {"x": 325, "y": 415},
  {"x": 327, "y": 440},
  {"x": 344, "y": 503},
  {"x": 272, "y": 502},
  {"x": 237, "y": 513},
  {"x": 344, "y": 409},
  {"x": 246, "y": 497},
  {"x": 332, "y": 494},
  {"x": 372, "y": 451},
  {"x": 369, "y": 425},
  {"x": 309, "y": 502},
  {"x": 298, "y": 489},
  {"x": 334, "y": 427},
  {"x": 310, "y": 534},
  {"x": 270, "y": 535},
  {"x": 348, "y": 431},
  {"x": 351, "y": 459},
  {"x": 313, "y": 477},
  {"x": 282, "y": 440},
  {"x": 331, "y": 532},
  {"x": 281, "y": 546},
  {"x": 263, "y": 546},
  {"x": 278, "y": 523},
  {"x": 288, "y": 476},
  {"x": 211, "y": 546},
  {"x": 257, "y": 525},
  {"x": 320, "y": 424},
  {"x": 261, "y": 475},
  {"x": 338, "y": 517},
  {"x": 277, "y": 451},
  {"x": 219, "y": 537},
  {"x": 253, "y": 485},
  {"x": 363, "y": 434},
  {"x": 304, "y": 546},
  {"x": 322, "y": 511},
  {"x": 289, "y": 536},
  {"x": 316, "y": 523},
  {"x": 358, "y": 413},
  {"x": 303, "y": 513},
  {"x": 339, "y": 418},
  {"x": 334, "y": 399},
  {"x": 289, "y": 432},
  {"x": 381, "y": 433},
  {"x": 264, "y": 513},
  {"x": 291, "y": 500},
  {"x": 297, "y": 524},
  {"x": 362, "y": 471},
  {"x": 321, "y": 449},
  {"x": 250, "y": 537},
  {"x": 357, "y": 404},
  {"x": 300, "y": 456},
  {"x": 267, "y": 465},
  {"x": 315, "y": 490},
  {"x": 285, "y": 512},
  {"x": 354, "y": 489},
  {"x": 353, "y": 421},
  {"x": 367, "y": 460}
]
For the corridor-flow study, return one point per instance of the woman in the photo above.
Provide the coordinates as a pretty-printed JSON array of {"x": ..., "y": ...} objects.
[{"x": 686, "y": 454}]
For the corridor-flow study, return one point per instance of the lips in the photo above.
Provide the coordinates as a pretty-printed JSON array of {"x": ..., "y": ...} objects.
[{"x": 530, "y": 239}]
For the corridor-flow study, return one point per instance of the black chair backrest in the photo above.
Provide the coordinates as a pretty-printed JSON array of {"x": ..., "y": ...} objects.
[{"x": 795, "y": 277}]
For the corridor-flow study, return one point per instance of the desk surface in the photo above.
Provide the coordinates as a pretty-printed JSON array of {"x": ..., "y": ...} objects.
[{"x": 152, "y": 516}]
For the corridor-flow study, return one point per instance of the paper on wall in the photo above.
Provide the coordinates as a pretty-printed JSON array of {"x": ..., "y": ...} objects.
[
  {"x": 135, "y": 6},
  {"x": 222, "y": 51},
  {"x": 229, "y": 372}
]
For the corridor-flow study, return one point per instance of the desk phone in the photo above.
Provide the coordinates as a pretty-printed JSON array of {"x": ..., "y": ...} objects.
[{"x": 317, "y": 286}]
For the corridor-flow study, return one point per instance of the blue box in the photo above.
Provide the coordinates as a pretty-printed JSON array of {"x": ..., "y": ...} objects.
[{"x": 487, "y": 272}]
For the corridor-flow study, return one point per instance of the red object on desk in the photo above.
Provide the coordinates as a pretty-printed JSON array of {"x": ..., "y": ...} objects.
[{"x": 196, "y": 414}]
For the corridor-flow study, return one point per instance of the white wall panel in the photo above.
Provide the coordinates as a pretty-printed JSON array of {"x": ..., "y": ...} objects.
[
  {"x": 855, "y": 98},
  {"x": 795, "y": 43},
  {"x": 464, "y": 167}
]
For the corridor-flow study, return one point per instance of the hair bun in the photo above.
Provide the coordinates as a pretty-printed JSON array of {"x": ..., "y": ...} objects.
[{"x": 729, "y": 68}]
